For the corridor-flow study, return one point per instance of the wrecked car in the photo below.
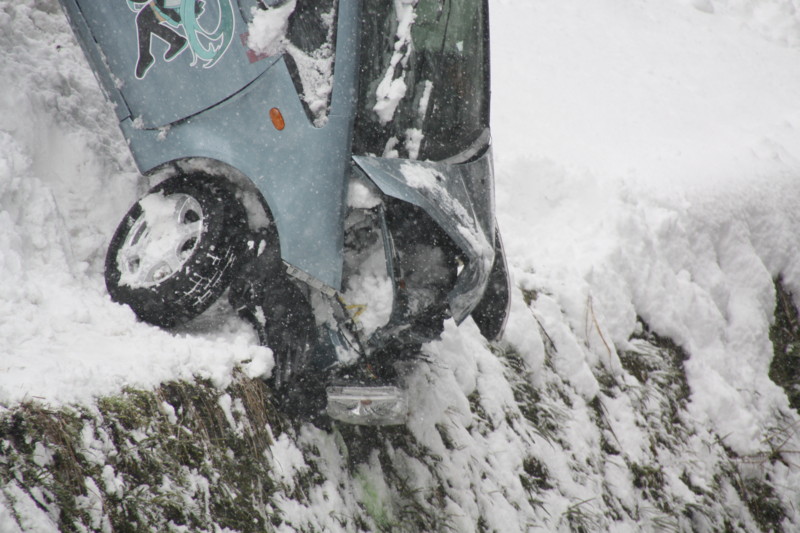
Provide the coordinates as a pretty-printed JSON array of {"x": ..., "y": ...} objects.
[{"x": 281, "y": 143}]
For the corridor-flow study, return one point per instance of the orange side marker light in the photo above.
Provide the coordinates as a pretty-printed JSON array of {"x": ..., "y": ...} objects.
[{"x": 277, "y": 118}]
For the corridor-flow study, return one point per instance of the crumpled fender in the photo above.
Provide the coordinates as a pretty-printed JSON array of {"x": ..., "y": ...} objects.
[{"x": 459, "y": 198}]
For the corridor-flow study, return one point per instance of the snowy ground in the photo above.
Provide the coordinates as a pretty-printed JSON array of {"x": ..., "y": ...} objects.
[{"x": 648, "y": 164}]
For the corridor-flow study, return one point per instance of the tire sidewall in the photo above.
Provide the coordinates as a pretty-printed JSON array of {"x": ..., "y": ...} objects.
[{"x": 208, "y": 271}]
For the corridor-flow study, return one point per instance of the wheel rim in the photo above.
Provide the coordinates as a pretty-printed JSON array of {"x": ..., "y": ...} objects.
[{"x": 161, "y": 240}]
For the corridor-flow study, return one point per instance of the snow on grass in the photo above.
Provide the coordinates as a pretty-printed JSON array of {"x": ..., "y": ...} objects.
[{"x": 647, "y": 169}]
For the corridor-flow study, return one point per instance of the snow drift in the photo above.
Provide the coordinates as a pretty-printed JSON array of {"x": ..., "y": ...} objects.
[{"x": 647, "y": 174}]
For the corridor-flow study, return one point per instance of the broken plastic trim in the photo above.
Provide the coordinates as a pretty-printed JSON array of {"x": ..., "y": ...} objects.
[
  {"x": 309, "y": 280},
  {"x": 459, "y": 198}
]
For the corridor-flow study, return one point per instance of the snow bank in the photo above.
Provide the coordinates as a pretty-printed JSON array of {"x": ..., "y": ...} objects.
[
  {"x": 668, "y": 193},
  {"x": 647, "y": 161}
]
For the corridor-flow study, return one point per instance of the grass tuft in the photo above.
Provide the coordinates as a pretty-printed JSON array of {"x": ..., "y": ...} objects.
[
  {"x": 785, "y": 336},
  {"x": 147, "y": 460}
]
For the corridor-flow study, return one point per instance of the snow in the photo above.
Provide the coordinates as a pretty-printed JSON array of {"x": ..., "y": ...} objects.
[
  {"x": 659, "y": 155},
  {"x": 267, "y": 36},
  {"x": 32, "y": 518},
  {"x": 155, "y": 251},
  {"x": 267, "y": 30},
  {"x": 647, "y": 156},
  {"x": 392, "y": 88}
]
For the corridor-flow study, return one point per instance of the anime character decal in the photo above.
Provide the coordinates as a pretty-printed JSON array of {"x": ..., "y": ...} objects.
[{"x": 178, "y": 24}]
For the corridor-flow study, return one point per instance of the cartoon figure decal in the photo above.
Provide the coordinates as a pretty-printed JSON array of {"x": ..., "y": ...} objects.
[{"x": 177, "y": 23}]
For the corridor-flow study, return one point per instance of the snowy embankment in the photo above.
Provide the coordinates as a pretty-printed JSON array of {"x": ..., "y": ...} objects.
[{"x": 648, "y": 168}]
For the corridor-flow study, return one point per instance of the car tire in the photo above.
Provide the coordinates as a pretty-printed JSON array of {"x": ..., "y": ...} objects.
[{"x": 177, "y": 249}]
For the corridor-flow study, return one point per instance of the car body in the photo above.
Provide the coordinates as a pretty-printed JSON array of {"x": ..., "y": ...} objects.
[{"x": 191, "y": 95}]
